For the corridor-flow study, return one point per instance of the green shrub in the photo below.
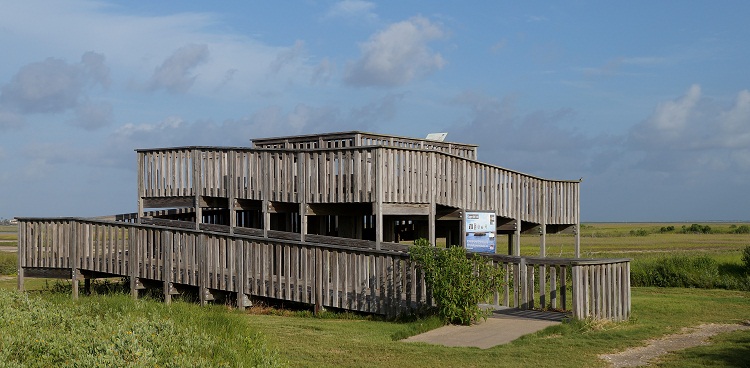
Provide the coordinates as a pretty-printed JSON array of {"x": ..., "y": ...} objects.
[
  {"x": 638, "y": 232},
  {"x": 696, "y": 229},
  {"x": 688, "y": 271},
  {"x": 746, "y": 258},
  {"x": 742, "y": 229},
  {"x": 458, "y": 282},
  {"x": 666, "y": 229}
]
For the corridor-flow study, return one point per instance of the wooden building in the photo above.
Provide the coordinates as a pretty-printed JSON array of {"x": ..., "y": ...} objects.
[
  {"x": 353, "y": 185},
  {"x": 315, "y": 219}
]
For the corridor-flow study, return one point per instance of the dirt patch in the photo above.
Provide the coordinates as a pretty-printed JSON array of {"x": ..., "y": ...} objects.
[
  {"x": 688, "y": 338},
  {"x": 5, "y": 248}
]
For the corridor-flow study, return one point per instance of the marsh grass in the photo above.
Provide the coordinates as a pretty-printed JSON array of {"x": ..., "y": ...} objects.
[
  {"x": 115, "y": 330},
  {"x": 8, "y": 263}
]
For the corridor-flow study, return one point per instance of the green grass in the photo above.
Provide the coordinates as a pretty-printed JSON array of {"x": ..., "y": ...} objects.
[
  {"x": 310, "y": 342},
  {"x": 350, "y": 341},
  {"x": 8, "y": 263},
  {"x": 8, "y": 228},
  {"x": 115, "y": 330}
]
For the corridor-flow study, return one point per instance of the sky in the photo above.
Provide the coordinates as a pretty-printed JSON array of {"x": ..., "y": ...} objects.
[{"x": 648, "y": 102}]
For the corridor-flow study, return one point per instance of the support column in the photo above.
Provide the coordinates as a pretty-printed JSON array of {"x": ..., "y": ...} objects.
[
  {"x": 166, "y": 243},
  {"x": 242, "y": 301},
  {"x": 378, "y": 172},
  {"x": 133, "y": 241},
  {"x": 141, "y": 188},
  {"x": 202, "y": 269},
  {"x": 74, "y": 257},
  {"x": 577, "y": 203},
  {"x": 197, "y": 188},
  {"x": 431, "y": 176},
  {"x": 265, "y": 162},
  {"x": 517, "y": 239},
  {"x": 22, "y": 225},
  {"x": 232, "y": 190},
  {"x": 302, "y": 193}
]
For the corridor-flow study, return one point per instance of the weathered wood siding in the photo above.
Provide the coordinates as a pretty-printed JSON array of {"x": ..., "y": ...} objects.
[
  {"x": 348, "y": 175},
  {"x": 341, "y": 274}
]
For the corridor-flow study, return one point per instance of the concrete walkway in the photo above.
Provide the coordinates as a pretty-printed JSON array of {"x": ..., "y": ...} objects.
[{"x": 504, "y": 326}]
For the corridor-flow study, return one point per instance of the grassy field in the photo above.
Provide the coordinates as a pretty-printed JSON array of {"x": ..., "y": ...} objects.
[{"x": 356, "y": 342}]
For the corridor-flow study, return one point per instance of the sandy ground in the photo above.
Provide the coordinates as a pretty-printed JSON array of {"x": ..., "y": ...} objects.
[
  {"x": 4, "y": 248},
  {"x": 690, "y": 337}
]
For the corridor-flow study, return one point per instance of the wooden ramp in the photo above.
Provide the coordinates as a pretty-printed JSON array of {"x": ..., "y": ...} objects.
[{"x": 345, "y": 274}]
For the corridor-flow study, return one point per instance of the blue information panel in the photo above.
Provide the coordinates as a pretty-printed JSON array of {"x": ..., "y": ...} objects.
[{"x": 480, "y": 231}]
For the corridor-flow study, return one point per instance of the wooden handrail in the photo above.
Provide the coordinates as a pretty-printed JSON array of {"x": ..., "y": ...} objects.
[{"x": 350, "y": 276}]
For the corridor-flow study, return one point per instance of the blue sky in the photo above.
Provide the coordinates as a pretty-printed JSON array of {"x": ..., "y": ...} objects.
[{"x": 647, "y": 101}]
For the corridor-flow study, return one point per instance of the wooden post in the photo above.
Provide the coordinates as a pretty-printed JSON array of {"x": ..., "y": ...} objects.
[
  {"x": 133, "y": 250},
  {"x": 167, "y": 239},
  {"x": 431, "y": 177},
  {"x": 232, "y": 190},
  {"x": 517, "y": 238},
  {"x": 266, "y": 191},
  {"x": 577, "y": 203},
  {"x": 73, "y": 256},
  {"x": 543, "y": 247},
  {"x": 240, "y": 256},
  {"x": 141, "y": 188},
  {"x": 202, "y": 269},
  {"x": 523, "y": 287},
  {"x": 197, "y": 187},
  {"x": 318, "y": 282},
  {"x": 379, "y": 172},
  {"x": 302, "y": 193},
  {"x": 22, "y": 247}
]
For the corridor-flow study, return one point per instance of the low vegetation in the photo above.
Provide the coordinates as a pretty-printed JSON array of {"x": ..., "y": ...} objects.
[
  {"x": 8, "y": 263},
  {"x": 116, "y": 331},
  {"x": 458, "y": 283},
  {"x": 689, "y": 271},
  {"x": 62, "y": 332}
]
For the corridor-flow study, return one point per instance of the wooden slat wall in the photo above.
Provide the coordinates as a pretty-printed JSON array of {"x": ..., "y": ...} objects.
[
  {"x": 167, "y": 173},
  {"x": 353, "y": 278},
  {"x": 345, "y": 174}
]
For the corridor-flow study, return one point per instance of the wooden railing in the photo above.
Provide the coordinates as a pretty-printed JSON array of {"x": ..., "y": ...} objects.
[
  {"x": 361, "y": 139},
  {"x": 347, "y": 175},
  {"x": 329, "y": 272}
]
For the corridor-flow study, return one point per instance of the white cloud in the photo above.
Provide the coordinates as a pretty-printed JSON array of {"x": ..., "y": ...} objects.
[
  {"x": 174, "y": 74},
  {"x": 536, "y": 142},
  {"x": 48, "y": 86},
  {"x": 10, "y": 120},
  {"x": 397, "y": 54},
  {"x": 92, "y": 115},
  {"x": 288, "y": 56},
  {"x": 53, "y": 86},
  {"x": 353, "y": 10},
  {"x": 671, "y": 117},
  {"x": 322, "y": 72},
  {"x": 695, "y": 135}
]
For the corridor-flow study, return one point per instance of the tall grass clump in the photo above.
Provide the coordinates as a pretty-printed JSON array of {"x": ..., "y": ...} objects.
[
  {"x": 8, "y": 263},
  {"x": 746, "y": 259},
  {"x": 687, "y": 272},
  {"x": 116, "y": 331}
]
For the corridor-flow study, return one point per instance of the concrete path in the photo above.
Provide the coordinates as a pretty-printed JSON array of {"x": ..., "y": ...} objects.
[{"x": 504, "y": 326}]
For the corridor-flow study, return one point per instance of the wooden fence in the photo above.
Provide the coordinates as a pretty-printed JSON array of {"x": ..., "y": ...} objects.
[
  {"x": 355, "y": 174},
  {"x": 330, "y": 272}
]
